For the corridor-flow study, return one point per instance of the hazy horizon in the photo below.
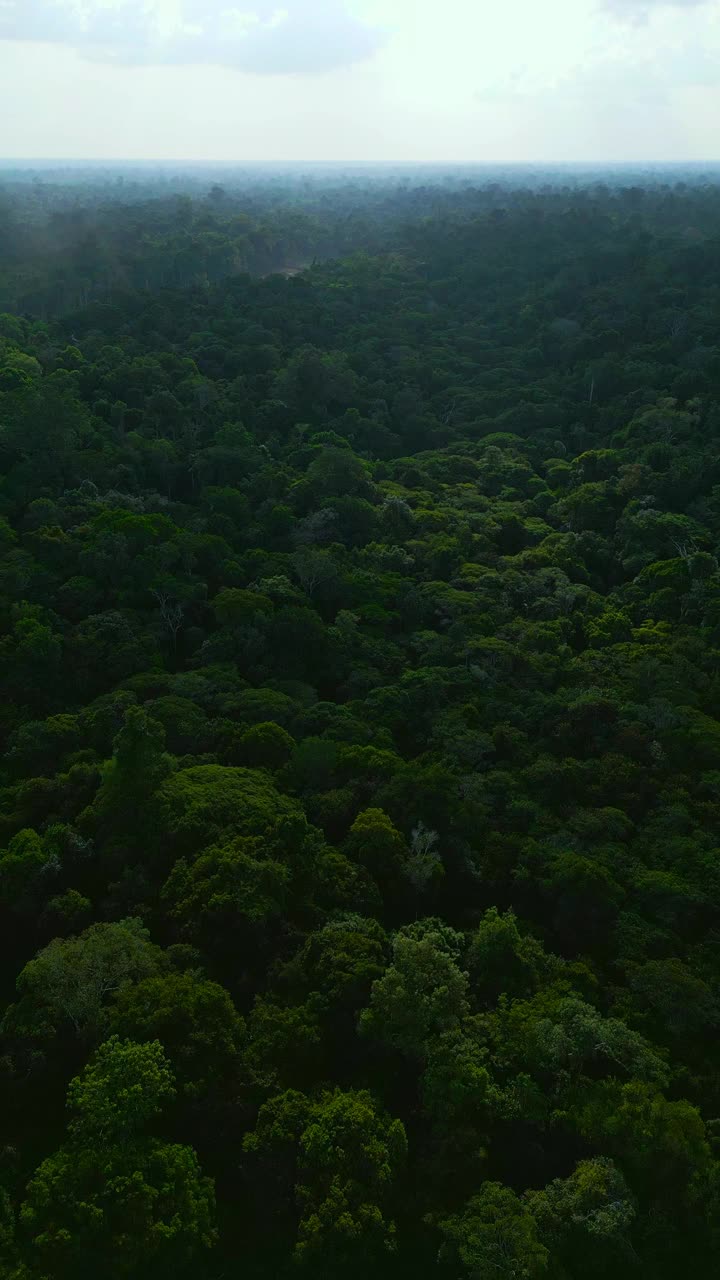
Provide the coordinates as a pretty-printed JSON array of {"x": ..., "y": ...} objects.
[
  {"x": 361, "y": 81},
  {"x": 594, "y": 165}
]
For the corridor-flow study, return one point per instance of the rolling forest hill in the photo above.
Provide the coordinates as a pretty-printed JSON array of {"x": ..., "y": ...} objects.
[{"x": 360, "y": 721}]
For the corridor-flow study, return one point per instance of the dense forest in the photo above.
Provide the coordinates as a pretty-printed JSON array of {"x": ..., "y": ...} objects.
[{"x": 360, "y": 728}]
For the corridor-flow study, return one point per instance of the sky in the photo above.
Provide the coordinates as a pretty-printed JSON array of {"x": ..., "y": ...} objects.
[{"x": 443, "y": 81}]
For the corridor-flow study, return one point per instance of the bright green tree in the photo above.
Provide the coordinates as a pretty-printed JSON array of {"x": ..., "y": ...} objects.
[
  {"x": 112, "y": 1200},
  {"x": 422, "y": 994},
  {"x": 494, "y": 1235},
  {"x": 344, "y": 1157}
]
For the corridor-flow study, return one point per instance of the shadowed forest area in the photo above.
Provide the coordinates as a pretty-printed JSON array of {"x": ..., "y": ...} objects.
[{"x": 360, "y": 726}]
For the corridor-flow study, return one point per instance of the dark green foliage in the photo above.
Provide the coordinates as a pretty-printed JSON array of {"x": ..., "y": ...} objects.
[{"x": 360, "y": 731}]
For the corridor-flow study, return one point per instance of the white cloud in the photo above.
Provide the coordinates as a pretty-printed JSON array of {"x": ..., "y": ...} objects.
[
  {"x": 261, "y": 36},
  {"x": 641, "y": 10},
  {"x": 458, "y": 80}
]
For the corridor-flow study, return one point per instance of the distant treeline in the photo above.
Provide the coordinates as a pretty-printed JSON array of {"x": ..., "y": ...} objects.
[{"x": 71, "y": 237}]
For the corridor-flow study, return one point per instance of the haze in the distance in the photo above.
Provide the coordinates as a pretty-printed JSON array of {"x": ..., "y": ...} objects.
[{"x": 367, "y": 80}]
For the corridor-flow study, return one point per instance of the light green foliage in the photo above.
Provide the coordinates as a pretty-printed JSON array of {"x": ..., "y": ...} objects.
[
  {"x": 148, "y": 1211},
  {"x": 350, "y": 1157},
  {"x": 561, "y": 1040},
  {"x": 494, "y": 1235},
  {"x": 124, "y": 1086},
  {"x": 585, "y": 1220},
  {"x": 347, "y": 1158},
  {"x": 456, "y": 1084},
  {"x": 112, "y": 1198},
  {"x": 422, "y": 994},
  {"x": 664, "y": 1144},
  {"x": 280, "y": 1124},
  {"x": 377, "y": 844},
  {"x": 68, "y": 912},
  {"x": 71, "y": 981},
  {"x": 195, "y": 806},
  {"x": 501, "y": 961}
]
